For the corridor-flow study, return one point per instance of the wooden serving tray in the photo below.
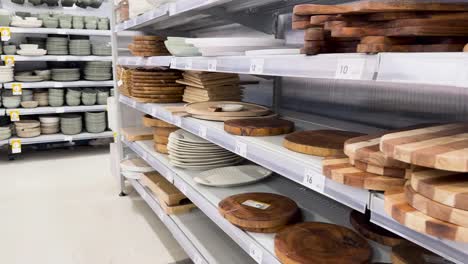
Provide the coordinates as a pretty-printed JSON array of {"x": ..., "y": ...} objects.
[
  {"x": 164, "y": 131},
  {"x": 161, "y": 148},
  {"x": 137, "y": 133},
  {"x": 362, "y": 224},
  {"x": 150, "y": 121},
  {"x": 384, "y": 171},
  {"x": 258, "y": 127}
]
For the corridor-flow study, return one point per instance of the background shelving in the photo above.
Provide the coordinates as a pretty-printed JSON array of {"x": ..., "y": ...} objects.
[
  {"x": 59, "y": 138},
  {"x": 53, "y": 84},
  {"x": 57, "y": 110}
]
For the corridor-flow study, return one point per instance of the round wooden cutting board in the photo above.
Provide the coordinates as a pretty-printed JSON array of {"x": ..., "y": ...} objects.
[
  {"x": 339, "y": 170},
  {"x": 409, "y": 253},
  {"x": 322, "y": 143},
  {"x": 399, "y": 209},
  {"x": 203, "y": 109},
  {"x": 445, "y": 187},
  {"x": 435, "y": 209},
  {"x": 362, "y": 224},
  {"x": 443, "y": 147},
  {"x": 320, "y": 243},
  {"x": 258, "y": 127},
  {"x": 384, "y": 171},
  {"x": 263, "y": 212}
]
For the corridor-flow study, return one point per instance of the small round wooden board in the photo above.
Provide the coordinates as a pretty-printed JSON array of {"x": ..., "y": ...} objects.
[
  {"x": 409, "y": 253},
  {"x": 161, "y": 148},
  {"x": 321, "y": 243},
  {"x": 203, "y": 109},
  {"x": 435, "y": 209},
  {"x": 258, "y": 127},
  {"x": 363, "y": 226},
  {"x": 322, "y": 143},
  {"x": 399, "y": 209},
  {"x": 445, "y": 187},
  {"x": 258, "y": 211},
  {"x": 443, "y": 147},
  {"x": 340, "y": 170},
  {"x": 384, "y": 171},
  {"x": 150, "y": 121}
]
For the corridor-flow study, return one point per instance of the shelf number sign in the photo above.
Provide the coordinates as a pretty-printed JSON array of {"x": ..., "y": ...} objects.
[
  {"x": 256, "y": 66},
  {"x": 9, "y": 60},
  {"x": 14, "y": 115},
  {"x": 188, "y": 64},
  {"x": 350, "y": 69},
  {"x": 115, "y": 137},
  {"x": 314, "y": 181},
  {"x": 256, "y": 253},
  {"x": 5, "y": 33},
  {"x": 17, "y": 88},
  {"x": 202, "y": 131},
  {"x": 212, "y": 64},
  {"x": 15, "y": 146},
  {"x": 241, "y": 149}
]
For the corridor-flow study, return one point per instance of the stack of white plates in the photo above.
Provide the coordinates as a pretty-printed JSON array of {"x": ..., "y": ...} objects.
[
  {"x": 98, "y": 70},
  {"x": 65, "y": 74},
  {"x": 27, "y": 22},
  {"x": 57, "y": 45},
  {"x": 133, "y": 168},
  {"x": 6, "y": 74},
  {"x": 102, "y": 49},
  {"x": 232, "y": 176},
  {"x": 56, "y": 97},
  {"x": 27, "y": 77},
  {"x": 71, "y": 124},
  {"x": 49, "y": 124},
  {"x": 192, "y": 152},
  {"x": 31, "y": 50},
  {"x": 28, "y": 128},
  {"x": 73, "y": 96},
  {"x": 80, "y": 47},
  {"x": 5, "y": 132},
  {"x": 42, "y": 97},
  {"x": 95, "y": 122},
  {"x": 178, "y": 47}
]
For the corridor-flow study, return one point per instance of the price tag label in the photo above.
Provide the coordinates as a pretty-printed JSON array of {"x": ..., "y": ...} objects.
[
  {"x": 241, "y": 149},
  {"x": 162, "y": 216},
  {"x": 212, "y": 64},
  {"x": 154, "y": 112},
  {"x": 177, "y": 120},
  {"x": 17, "y": 88},
  {"x": 173, "y": 62},
  {"x": 350, "y": 69},
  {"x": 60, "y": 110},
  {"x": 202, "y": 131},
  {"x": 14, "y": 115},
  {"x": 5, "y": 33},
  {"x": 256, "y": 253},
  {"x": 188, "y": 64},
  {"x": 9, "y": 60},
  {"x": 115, "y": 137},
  {"x": 61, "y": 58},
  {"x": 134, "y": 103},
  {"x": 15, "y": 146},
  {"x": 256, "y": 66},
  {"x": 68, "y": 138},
  {"x": 314, "y": 180},
  {"x": 140, "y": 62},
  {"x": 61, "y": 31},
  {"x": 58, "y": 85}
]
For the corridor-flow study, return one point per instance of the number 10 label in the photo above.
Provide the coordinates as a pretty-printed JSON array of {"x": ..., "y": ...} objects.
[{"x": 350, "y": 69}]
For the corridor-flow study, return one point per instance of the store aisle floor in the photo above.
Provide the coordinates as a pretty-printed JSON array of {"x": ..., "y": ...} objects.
[{"x": 62, "y": 207}]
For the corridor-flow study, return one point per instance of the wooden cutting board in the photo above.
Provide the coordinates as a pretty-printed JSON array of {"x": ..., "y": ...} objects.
[
  {"x": 399, "y": 209},
  {"x": 321, "y": 143},
  {"x": 321, "y": 243},
  {"x": 262, "y": 211},
  {"x": 435, "y": 209},
  {"x": 148, "y": 38},
  {"x": 226, "y": 118},
  {"x": 156, "y": 101},
  {"x": 165, "y": 191},
  {"x": 339, "y": 170},
  {"x": 259, "y": 127},
  {"x": 203, "y": 109},
  {"x": 164, "y": 131},
  {"x": 161, "y": 148},
  {"x": 150, "y": 121},
  {"x": 161, "y": 140},
  {"x": 409, "y": 253},
  {"x": 384, "y": 171},
  {"x": 449, "y": 188},
  {"x": 362, "y": 224},
  {"x": 443, "y": 147},
  {"x": 137, "y": 133},
  {"x": 465, "y": 49}
]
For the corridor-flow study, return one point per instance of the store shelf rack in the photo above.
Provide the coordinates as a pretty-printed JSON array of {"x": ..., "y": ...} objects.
[
  {"x": 19, "y": 58},
  {"x": 54, "y": 84},
  {"x": 201, "y": 239},
  {"x": 58, "y": 138},
  {"x": 60, "y": 31},
  {"x": 158, "y": 61},
  {"x": 57, "y": 110}
]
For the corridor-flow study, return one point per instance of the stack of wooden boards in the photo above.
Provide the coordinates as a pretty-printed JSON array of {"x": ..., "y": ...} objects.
[
  {"x": 160, "y": 133},
  {"x": 170, "y": 198},
  {"x": 148, "y": 46},
  {"x": 383, "y": 26},
  {"x": 151, "y": 86},
  {"x": 210, "y": 86}
]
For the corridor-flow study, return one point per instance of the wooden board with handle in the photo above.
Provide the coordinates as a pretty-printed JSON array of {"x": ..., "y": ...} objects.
[
  {"x": 399, "y": 209},
  {"x": 340, "y": 170},
  {"x": 445, "y": 187},
  {"x": 258, "y": 127},
  {"x": 258, "y": 211},
  {"x": 322, "y": 143},
  {"x": 409, "y": 253},
  {"x": 443, "y": 147},
  {"x": 165, "y": 191},
  {"x": 320, "y": 243},
  {"x": 137, "y": 133}
]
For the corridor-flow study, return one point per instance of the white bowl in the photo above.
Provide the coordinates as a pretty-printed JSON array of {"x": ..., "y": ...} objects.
[
  {"x": 49, "y": 119},
  {"x": 231, "y": 107},
  {"x": 30, "y": 18},
  {"x": 29, "y": 46}
]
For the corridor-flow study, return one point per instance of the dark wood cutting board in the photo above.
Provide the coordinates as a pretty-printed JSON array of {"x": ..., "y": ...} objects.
[
  {"x": 321, "y": 243},
  {"x": 409, "y": 253},
  {"x": 363, "y": 226},
  {"x": 258, "y": 127},
  {"x": 258, "y": 211},
  {"x": 321, "y": 143}
]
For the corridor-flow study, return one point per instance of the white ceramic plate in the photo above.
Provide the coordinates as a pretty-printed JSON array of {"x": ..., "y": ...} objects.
[
  {"x": 232, "y": 176},
  {"x": 135, "y": 165},
  {"x": 132, "y": 175},
  {"x": 37, "y": 52},
  {"x": 183, "y": 135},
  {"x": 204, "y": 167},
  {"x": 264, "y": 52}
]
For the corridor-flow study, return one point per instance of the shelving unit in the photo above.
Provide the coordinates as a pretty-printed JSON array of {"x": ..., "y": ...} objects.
[
  {"x": 58, "y": 58},
  {"x": 58, "y": 138},
  {"x": 54, "y": 84},
  {"x": 57, "y": 110},
  {"x": 60, "y": 31}
]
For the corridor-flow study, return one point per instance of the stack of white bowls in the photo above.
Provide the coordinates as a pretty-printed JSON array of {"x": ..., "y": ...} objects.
[
  {"x": 9, "y": 100},
  {"x": 57, "y": 45},
  {"x": 50, "y": 124},
  {"x": 42, "y": 97},
  {"x": 73, "y": 96},
  {"x": 6, "y": 74},
  {"x": 5, "y": 132},
  {"x": 80, "y": 47},
  {"x": 95, "y": 122},
  {"x": 89, "y": 96},
  {"x": 71, "y": 124},
  {"x": 102, "y": 96},
  {"x": 56, "y": 97},
  {"x": 27, "y": 95},
  {"x": 28, "y": 128}
]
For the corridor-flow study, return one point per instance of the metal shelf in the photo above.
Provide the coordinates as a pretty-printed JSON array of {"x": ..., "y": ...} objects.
[
  {"x": 57, "y": 110},
  {"x": 59, "y": 58},
  {"x": 143, "y": 19},
  {"x": 53, "y": 84},
  {"x": 457, "y": 252},
  {"x": 160, "y": 61},
  {"x": 58, "y": 138},
  {"x": 201, "y": 239},
  {"x": 60, "y": 31}
]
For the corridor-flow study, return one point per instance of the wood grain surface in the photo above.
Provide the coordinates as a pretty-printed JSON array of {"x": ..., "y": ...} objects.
[
  {"x": 278, "y": 212},
  {"x": 150, "y": 121},
  {"x": 340, "y": 170},
  {"x": 409, "y": 253},
  {"x": 320, "y": 243},
  {"x": 399, "y": 209},
  {"x": 137, "y": 133},
  {"x": 321, "y": 143},
  {"x": 164, "y": 131},
  {"x": 161, "y": 140},
  {"x": 161, "y": 148},
  {"x": 258, "y": 127},
  {"x": 445, "y": 187},
  {"x": 362, "y": 224},
  {"x": 443, "y": 147},
  {"x": 249, "y": 110},
  {"x": 384, "y": 171}
]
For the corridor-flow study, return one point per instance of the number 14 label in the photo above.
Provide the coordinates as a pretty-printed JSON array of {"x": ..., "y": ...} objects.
[{"x": 350, "y": 69}]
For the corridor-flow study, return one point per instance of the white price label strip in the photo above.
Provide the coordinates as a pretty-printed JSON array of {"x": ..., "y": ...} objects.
[
  {"x": 202, "y": 131},
  {"x": 58, "y": 85},
  {"x": 256, "y": 253},
  {"x": 350, "y": 69},
  {"x": 188, "y": 64},
  {"x": 60, "y": 110},
  {"x": 61, "y": 58},
  {"x": 256, "y": 66},
  {"x": 212, "y": 64},
  {"x": 177, "y": 120},
  {"x": 68, "y": 138},
  {"x": 314, "y": 180},
  {"x": 241, "y": 149}
]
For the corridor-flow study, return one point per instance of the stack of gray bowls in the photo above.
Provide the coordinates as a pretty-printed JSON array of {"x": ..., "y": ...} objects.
[
  {"x": 101, "y": 49},
  {"x": 5, "y": 132},
  {"x": 80, "y": 47},
  {"x": 78, "y": 22},
  {"x": 56, "y": 97},
  {"x": 98, "y": 70},
  {"x": 89, "y": 96},
  {"x": 42, "y": 97},
  {"x": 71, "y": 124},
  {"x": 65, "y": 74},
  {"x": 73, "y": 96},
  {"x": 102, "y": 96},
  {"x": 95, "y": 122},
  {"x": 57, "y": 45},
  {"x": 27, "y": 95},
  {"x": 9, "y": 100}
]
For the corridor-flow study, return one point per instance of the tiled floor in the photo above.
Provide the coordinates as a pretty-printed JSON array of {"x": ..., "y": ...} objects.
[{"x": 62, "y": 207}]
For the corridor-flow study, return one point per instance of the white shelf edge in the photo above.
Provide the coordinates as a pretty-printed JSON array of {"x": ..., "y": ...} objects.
[
  {"x": 58, "y": 138},
  {"x": 144, "y": 18},
  {"x": 60, "y": 31},
  {"x": 57, "y": 110},
  {"x": 54, "y": 84},
  {"x": 19, "y": 58},
  {"x": 158, "y": 61}
]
